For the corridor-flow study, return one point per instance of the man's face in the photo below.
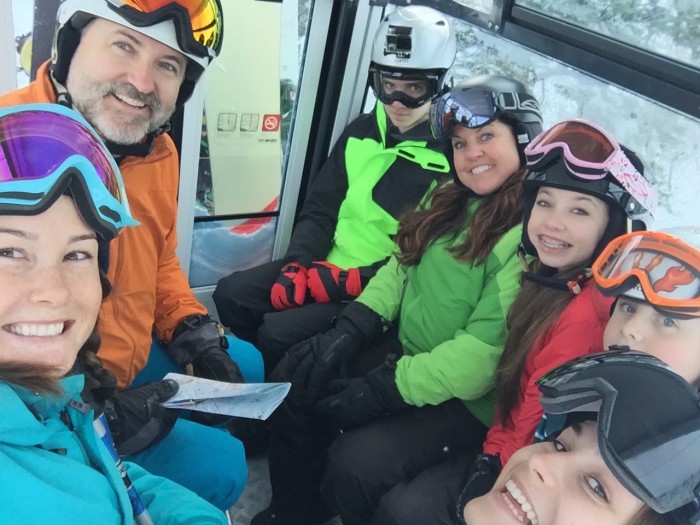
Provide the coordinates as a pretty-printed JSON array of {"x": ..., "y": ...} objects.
[{"x": 123, "y": 82}]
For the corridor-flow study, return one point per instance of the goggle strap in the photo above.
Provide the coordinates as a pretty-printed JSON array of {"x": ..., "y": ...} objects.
[{"x": 621, "y": 168}]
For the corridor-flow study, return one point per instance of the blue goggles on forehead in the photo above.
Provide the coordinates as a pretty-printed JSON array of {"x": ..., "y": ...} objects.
[
  {"x": 47, "y": 150},
  {"x": 648, "y": 421}
]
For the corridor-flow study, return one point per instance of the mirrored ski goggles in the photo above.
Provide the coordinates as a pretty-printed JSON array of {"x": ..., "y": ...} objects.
[
  {"x": 199, "y": 24},
  {"x": 665, "y": 268},
  {"x": 411, "y": 89},
  {"x": 46, "y": 149},
  {"x": 648, "y": 421},
  {"x": 590, "y": 153},
  {"x": 471, "y": 108}
]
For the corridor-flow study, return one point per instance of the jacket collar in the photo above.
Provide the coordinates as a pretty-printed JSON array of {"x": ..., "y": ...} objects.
[{"x": 25, "y": 412}]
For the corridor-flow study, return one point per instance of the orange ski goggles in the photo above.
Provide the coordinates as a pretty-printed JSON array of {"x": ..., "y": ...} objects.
[
  {"x": 665, "y": 268},
  {"x": 199, "y": 23}
]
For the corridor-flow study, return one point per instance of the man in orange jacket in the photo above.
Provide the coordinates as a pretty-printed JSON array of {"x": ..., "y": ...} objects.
[{"x": 127, "y": 69}]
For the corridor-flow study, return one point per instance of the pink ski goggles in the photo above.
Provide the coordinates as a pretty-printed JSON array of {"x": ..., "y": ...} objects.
[{"x": 590, "y": 153}]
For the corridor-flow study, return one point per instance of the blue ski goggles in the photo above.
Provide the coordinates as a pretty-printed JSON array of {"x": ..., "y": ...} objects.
[
  {"x": 47, "y": 150},
  {"x": 648, "y": 421}
]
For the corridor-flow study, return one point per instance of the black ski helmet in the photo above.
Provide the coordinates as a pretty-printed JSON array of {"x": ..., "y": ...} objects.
[
  {"x": 619, "y": 200},
  {"x": 516, "y": 106}
]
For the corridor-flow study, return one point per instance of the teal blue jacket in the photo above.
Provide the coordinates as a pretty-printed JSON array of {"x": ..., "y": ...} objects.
[
  {"x": 55, "y": 469},
  {"x": 452, "y": 320}
]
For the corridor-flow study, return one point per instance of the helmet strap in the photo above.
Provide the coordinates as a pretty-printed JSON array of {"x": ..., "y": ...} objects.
[{"x": 571, "y": 285}]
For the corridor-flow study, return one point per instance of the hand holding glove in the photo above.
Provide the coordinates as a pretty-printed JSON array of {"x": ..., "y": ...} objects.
[
  {"x": 136, "y": 418},
  {"x": 309, "y": 365},
  {"x": 359, "y": 400},
  {"x": 481, "y": 476},
  {"x": 330, "y": 283},
  {"x": 198, "y": 340},
  {"x": 289, "y": 290}
]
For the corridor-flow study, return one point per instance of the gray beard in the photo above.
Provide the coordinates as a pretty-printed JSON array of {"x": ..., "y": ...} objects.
[{"x": 87, "y": 97}]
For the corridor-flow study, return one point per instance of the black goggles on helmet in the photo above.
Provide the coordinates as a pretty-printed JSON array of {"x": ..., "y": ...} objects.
[
  {"x": 412, "y": 89},
  {"x": 472, "y": 108},
  {"x": 648, "y": 421}
]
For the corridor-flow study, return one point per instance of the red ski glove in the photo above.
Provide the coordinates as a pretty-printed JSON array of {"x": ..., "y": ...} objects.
[{"x": 289, "y": 290}]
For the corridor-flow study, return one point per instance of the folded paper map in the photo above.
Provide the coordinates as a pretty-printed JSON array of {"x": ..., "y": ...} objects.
[{"x": 251, "y": 400}]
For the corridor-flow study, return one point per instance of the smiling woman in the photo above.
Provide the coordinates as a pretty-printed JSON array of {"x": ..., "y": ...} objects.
[
  {"x": 61, "y": 201},
  {"x": 52, "y": 291}
]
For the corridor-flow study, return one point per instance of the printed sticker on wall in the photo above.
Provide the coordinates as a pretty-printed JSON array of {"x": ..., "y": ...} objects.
[
  {"x": 271, "y": 122},
  {"x": 226, "y": 122},
  {"x": 250, "y": 122}
]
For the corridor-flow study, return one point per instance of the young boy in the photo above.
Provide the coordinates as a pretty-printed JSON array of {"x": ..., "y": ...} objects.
[{"x": 656, "y": 278}]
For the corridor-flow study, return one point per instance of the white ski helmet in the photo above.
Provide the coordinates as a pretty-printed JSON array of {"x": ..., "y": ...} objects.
[
  {"x": 412, "y": 43},
  {"x": 192, "y": 27}
]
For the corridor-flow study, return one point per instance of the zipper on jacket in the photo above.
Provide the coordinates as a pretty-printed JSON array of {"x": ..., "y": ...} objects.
[{"x": 66, "y": 420}]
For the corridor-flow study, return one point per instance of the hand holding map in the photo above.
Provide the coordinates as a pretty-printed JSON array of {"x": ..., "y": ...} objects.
[{"x": 251, "y": 400}]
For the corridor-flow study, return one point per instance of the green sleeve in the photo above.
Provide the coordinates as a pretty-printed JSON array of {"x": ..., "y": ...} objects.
[{"x": 384, "y": 292}]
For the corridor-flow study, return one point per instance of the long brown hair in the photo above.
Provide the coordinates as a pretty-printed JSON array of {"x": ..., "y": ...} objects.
[
  {"x": 444, "y": 213},
  {"x": 42, "y": 378},
  {"x": 532, "y": 314}
]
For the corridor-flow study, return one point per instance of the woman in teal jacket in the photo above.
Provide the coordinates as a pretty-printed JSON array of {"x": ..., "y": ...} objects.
[
  {"x": 61, "y": 201},
  {"x": 436, "y": 311}
]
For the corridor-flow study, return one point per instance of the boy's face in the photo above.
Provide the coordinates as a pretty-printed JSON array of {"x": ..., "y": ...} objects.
[
  {"x": 560, "y": 482},
  {"x": 675, "y": 341}
]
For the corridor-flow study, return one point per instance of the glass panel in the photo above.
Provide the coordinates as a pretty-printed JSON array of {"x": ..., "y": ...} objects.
[
  {"x": 665, "y": 139},
  {"x": 220, "y": 247},
  {"x": 668, "y": 27},
  {"x": 23, "y": 20},
  {"x": 483, "y": 6},
  {"x": 248, "y": 117},
  {"x": 241, "y": 168}
]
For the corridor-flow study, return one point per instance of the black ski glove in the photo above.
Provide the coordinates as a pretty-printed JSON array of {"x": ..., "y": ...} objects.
[
  {"x": 136, "y": 418},
  {"x": 360, "y": 400},
  {"x": 198, "y": 340},
  {"x": 481, "y": 476},
  {"x": 309, "y": 365}
]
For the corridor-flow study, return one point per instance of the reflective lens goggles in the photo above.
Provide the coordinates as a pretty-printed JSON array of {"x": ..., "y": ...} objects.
[
  {"x": 665, "y": 268},
  {"x": 648, "y": 421},
  {"x": 473, "y": 108},
  {"x": 199, "y": 24},
  {"x": 590, "y": 153},
  {"x": 46, "y": 149},
  {"x": 411, "y": 89}
]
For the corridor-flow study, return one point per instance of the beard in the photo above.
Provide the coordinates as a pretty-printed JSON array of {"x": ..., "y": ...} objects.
[{"x": 120, "y": 128}]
